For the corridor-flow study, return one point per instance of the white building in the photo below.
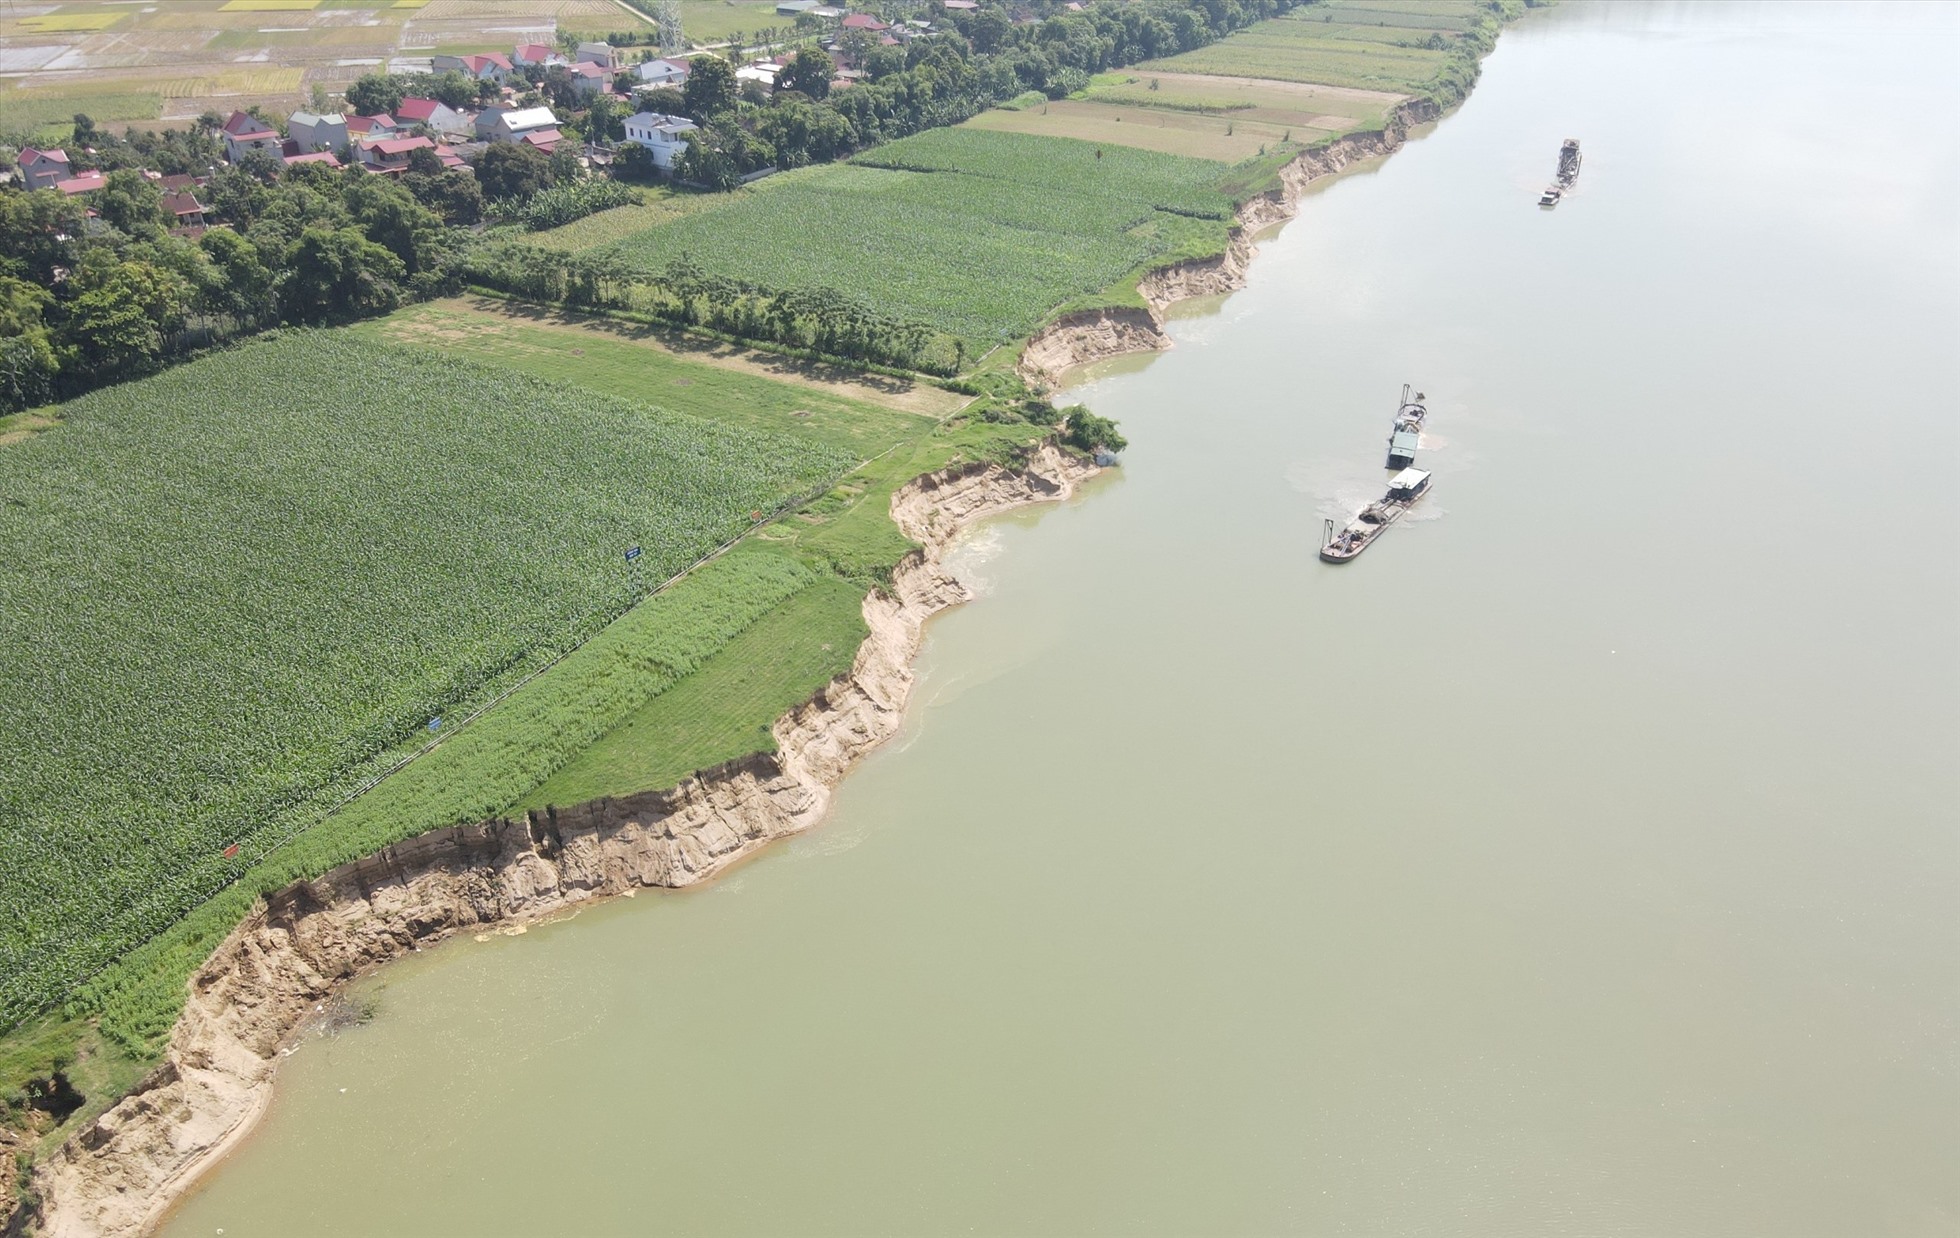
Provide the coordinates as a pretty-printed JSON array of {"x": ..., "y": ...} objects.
[
  {"x": 511, "y": 126},
  {"x": 602, "y": 54},
  {"x": 313, "y": 131},
  {"x": 661, "y": 72},
  {"x": 662, "y": 135}
]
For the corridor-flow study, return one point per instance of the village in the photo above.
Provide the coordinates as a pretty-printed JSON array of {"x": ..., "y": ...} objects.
[{"x": 602, "y": 103}]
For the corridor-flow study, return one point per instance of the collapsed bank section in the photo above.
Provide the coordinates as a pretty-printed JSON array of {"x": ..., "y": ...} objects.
[{"x": 308, "y": 597}]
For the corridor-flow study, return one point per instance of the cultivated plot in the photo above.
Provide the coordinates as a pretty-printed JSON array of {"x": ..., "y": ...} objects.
[{"x": 233, "y": 589}]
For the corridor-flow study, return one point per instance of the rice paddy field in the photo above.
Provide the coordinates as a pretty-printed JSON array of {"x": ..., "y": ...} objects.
[
  {"x": 1399, "y": 46},
  {"x": 236, "y": 589},
  {"x": 978, "y": 233},
  {"x": 199, "y": 55}
]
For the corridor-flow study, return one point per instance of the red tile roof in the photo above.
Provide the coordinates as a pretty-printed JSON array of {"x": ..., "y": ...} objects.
[
  {"x": 182, "y": 204},
  {"x": 28, "y": 155},
  {"x": 536, "y": 53},
  {"x": 318, "y": 156},
  {"x": 87, "y": 182},
  {"x": 417, "y": 111},
  {"x": 246, "y": 125},
  {"x": 400, "y": 146},
  {"x": 543, "y": 137},
  {"x": 864, "y": 21}
]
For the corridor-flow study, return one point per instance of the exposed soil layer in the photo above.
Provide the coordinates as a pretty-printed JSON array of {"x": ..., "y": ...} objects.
[
  {"x": 1078, "y": 339},
  {"x": 119, "y": 1174}
]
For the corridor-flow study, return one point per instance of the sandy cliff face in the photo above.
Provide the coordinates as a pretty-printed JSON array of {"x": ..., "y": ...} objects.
[
  {"x": 117, "y": 1175},
  {"x": 1096, "y": 335}
]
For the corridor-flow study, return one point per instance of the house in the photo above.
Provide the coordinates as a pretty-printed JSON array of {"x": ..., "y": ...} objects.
[
  {"x": 546, "y": 140},
  {"x": 188, "y": 210},
  {"x": 319, "y": 156},
  {"x": 537, "y": 56},
  {"x": 763, "y": 71},
  {"x": 960, "y": 6},
  {"x": 605, "y": 55},
  {"x": 511, "y": 125},
  {"x": 828, "y": 12},
  {"x": 245, "y": 133},
  {"x": 587, "y": 78},
  {"x": 42, "y": 169},
  {"x": 661, "y": 72},
  {"x": 87, "y": 182},
  {"x": 662, "y": 135},
  {"x": 380, "y": 125},
  {"x": 437, "y": 116},
  {"x": 864, "y": 21},
  {"x": 312, "y": 131},
  {"x": 391, "y": 154},
  {"x": 489, "y": 67},
  {"x": 179, "y": 182}
]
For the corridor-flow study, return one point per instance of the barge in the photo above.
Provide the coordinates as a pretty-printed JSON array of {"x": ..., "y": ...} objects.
[
  {"x": 1406, "y": 434},
  {"x": 1373, "y": 520},
  {"x": 1568, "y": 172}
]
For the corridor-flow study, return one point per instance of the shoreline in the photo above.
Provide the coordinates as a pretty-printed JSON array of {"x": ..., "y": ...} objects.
[
  {"x": 122, "y": 1173},
  {"x": 1088, "y": 336}
]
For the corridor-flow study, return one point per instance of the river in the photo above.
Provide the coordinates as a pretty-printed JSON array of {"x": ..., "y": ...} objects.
[{"x": 1581, "y": 860}]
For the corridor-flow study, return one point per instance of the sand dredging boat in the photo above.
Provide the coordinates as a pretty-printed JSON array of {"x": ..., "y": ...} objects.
[
  {"x": 1373, "y": 520},
  {"x": 1403, "y": 489},
  {"x": 1568, "y": 172},
  {"x": 1406, "y": 433}
]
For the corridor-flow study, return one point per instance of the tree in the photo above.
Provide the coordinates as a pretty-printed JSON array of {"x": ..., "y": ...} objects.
[
  {"x": 634, "y": 162},
  {"x": 336, "y": 276},
  {"x": 710, "y": 88},
  {"x": 603, "y": 121},
  {"x": 116, "y": 327},
  {"x": 1088, "y": 432},
  {"x": 512, "y": 170},
  {"x": 245, "y": 282},
  {"x": 665, "y": 100},
  {"x": 131, "y": 202},
  {"x": 451, "y": 89},
  {"x": 809, "y": 71},
  {"x": 375, "y": 93},
  {"x": 37, "y": 233},
  {"x": 564, "y": 165},
  {"x": 452, "y": 194}
]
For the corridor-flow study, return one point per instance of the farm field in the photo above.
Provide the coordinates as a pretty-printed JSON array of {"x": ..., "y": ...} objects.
[
  {"x": 714, "y": 381},
  {"x": 1230, "y": 137},
  {"x": 979, "y": 234},
  {"x": 1293, "y": 103},
  {"x": 1401, "y": 46},
  {"x": 189, "y": 52},
  {"x": 402, "y": 534},
  {"x": 713, "y": 21},
  {"x": 727, "y": 648}
]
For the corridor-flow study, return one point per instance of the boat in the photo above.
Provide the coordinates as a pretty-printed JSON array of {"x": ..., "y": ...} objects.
[
  {"x": 1568, "y": 172},
  {"x": 1406, "y": 434},
  {"x": 1568, "y": 163},
  {"x": 1373, "y": 520}
]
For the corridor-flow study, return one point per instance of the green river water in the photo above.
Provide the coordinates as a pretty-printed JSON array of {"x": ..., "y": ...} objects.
[{"x": 1581, "y": 861}]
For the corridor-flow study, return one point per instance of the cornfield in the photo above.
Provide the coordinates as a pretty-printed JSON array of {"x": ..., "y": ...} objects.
[
  {"x": 233, "y": 591},
  {"x": 977, "y": 234}
]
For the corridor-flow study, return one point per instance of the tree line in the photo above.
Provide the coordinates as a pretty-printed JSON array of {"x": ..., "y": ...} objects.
[{"x": 816, "y": 320}]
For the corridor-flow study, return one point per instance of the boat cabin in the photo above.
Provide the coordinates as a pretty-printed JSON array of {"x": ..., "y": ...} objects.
[{"x": 1408, "y": 484}]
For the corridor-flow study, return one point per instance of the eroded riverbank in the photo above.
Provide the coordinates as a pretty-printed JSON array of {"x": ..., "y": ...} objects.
[
  {"x": 1086, "y": 337},
  {"x": 120, "y": 1174}
]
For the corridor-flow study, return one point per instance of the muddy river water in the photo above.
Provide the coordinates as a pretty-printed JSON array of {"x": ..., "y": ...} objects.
[{"x": 1583, "y": 860}]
